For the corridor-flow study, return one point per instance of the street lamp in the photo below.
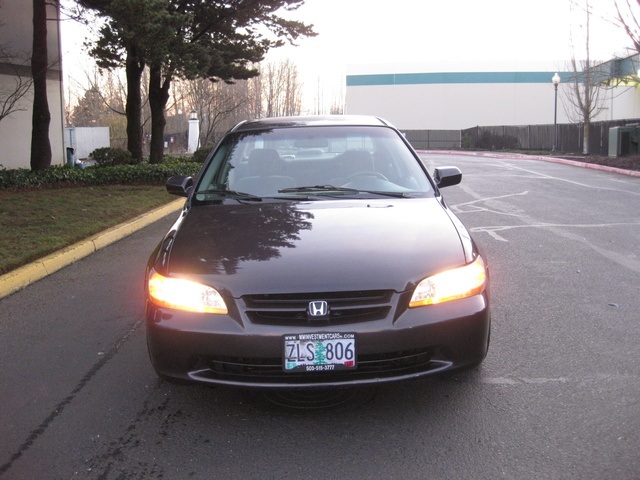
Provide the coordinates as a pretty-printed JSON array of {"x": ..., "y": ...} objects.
[
  {"x": 193, "y": 134},
  {"x": 555, "y": 80}
]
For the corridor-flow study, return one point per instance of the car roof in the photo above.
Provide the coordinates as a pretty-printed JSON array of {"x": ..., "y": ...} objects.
[{"x": 311, "y": 120}]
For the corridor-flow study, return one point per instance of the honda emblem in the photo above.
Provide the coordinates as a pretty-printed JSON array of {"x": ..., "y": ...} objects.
[{"x": 318, "y": 309}]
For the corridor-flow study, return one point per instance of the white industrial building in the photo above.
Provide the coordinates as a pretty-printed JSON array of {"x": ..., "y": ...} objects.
[
  {"x": 16, "y": 38},
  {"x": 455, "y": 96}
]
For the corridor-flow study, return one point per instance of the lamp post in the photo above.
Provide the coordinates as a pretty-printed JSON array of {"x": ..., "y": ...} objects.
[
  {"x": 555, "y": 80},
  {"x": 193, "y": 135}
]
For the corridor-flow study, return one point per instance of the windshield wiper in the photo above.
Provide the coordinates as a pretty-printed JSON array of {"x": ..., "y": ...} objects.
[
  {"x": 331, "y": 188},
  {"x": 388, "y": 194},
  {"x": 318, "y": 188},
  {"x": 232, "y": 193}
]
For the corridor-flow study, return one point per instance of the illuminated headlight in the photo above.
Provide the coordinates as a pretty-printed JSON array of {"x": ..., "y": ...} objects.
[
  {"x": 450, "y": 285},
  {"x": 185, "y": 295}
]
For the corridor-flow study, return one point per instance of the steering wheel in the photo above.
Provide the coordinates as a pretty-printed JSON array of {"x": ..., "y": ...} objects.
[{"x": 367, "y": 174}]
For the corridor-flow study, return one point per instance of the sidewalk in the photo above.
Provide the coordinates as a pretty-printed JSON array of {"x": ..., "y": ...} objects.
[{"x": 23, "y": 276}]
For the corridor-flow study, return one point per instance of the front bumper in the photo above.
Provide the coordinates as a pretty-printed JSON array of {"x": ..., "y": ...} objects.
[{"x": 231, "y": 350}]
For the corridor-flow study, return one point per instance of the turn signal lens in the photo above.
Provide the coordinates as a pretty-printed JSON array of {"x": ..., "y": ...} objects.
[
  {"x": 451, "y": 285},
  {"x": 185, "y": 295}
]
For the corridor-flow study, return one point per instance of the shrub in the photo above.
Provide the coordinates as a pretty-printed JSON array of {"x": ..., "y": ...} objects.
[
  {"x": 176, "y": 158},
  {"x": 141, "y": 174},
  {"x": 109, "y": 157},
  {"x": 492, "y": 141},
  {"x": 200, "y": 155}
]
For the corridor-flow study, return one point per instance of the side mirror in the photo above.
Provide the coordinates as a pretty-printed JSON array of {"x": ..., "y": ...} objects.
[
  {"x": 180, "y": 185},
  {"x": 447, "y": 176}
]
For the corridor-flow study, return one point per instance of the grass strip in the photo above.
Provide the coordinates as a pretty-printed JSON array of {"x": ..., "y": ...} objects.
[{"x": 35, "y": 223}]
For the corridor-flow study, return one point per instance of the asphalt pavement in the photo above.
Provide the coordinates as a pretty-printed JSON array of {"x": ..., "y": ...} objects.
[{"x": 558, "y": 396}]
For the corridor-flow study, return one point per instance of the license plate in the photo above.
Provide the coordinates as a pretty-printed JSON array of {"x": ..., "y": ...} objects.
[{"x": 319, "y": 352}]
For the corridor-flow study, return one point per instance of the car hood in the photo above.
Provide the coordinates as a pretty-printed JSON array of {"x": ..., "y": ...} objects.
[{"x": 296, "y": 247}]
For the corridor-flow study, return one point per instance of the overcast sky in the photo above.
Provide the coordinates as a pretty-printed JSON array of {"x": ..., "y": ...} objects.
[
  {"x": 364, "y": 32},
  {"x": 369, "y": 31}
]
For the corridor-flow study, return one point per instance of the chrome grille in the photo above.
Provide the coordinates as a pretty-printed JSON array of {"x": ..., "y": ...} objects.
[{"x": 291, "y": 309}]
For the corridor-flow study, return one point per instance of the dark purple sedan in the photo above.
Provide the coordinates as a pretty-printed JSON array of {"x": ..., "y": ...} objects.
[{"x": 315, "y": 252}]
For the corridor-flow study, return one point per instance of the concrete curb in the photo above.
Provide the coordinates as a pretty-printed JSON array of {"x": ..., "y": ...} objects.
[
  {"x": 564, "y": 161},
  {"x": 24, "y": 276}
]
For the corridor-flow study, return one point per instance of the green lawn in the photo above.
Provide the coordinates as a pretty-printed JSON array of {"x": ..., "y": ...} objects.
[{"x": 35, "y": 223}]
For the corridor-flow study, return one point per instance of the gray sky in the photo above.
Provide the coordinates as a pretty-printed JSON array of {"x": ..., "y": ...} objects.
[{"x": 369, "y": 31}]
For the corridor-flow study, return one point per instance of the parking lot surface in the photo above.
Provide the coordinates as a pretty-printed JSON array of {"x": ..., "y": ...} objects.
[{"x": 557, "y": 397}]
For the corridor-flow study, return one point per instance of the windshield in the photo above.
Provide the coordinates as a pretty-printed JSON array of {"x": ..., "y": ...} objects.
[{"x": 317, "y": 161}]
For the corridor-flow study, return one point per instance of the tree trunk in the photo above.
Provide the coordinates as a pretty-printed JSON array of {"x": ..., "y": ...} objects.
[
  {"x": 585, "y": 141},
  {"x": 40, "y": 144},
  {"x": 158, "y": 98},
  {"x": 134, "y": 68}
]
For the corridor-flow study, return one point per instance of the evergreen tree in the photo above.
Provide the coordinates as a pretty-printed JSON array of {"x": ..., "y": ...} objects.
[
  {"x": 91, "y": 109},
  {"x": 219, "y": 40}
]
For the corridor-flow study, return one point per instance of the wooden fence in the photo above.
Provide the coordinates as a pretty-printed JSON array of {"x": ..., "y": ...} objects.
[
  {"x": 524, "y": 137},
  {"x": 434, "y": 139},
  {"x": 540, "y": 137}
]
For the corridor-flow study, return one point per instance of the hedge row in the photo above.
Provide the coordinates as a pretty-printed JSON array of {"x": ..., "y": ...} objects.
[{"x": 141, "y": 174}]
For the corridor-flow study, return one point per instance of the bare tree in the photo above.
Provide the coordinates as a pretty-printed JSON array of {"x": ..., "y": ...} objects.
[
  {"x": 584, "y": 98},
  {"x": 253, "y": 108},
  {"x": 628, "y": 15},
  {"x": 337, "y": 106},
  {"x": 102, "y": 103},
  {"x": 217, "y": 104},
  {"x": 11, "y": 95},
  {"x": 281, "y": 89},
  {"x": 276, "y": 91}
]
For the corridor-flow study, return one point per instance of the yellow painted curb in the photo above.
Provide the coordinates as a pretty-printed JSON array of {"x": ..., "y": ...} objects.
[{"x": 23, "y": 276}]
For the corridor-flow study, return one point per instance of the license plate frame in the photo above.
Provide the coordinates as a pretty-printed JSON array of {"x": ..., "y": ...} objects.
[{"x": 319, "y": 352}]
